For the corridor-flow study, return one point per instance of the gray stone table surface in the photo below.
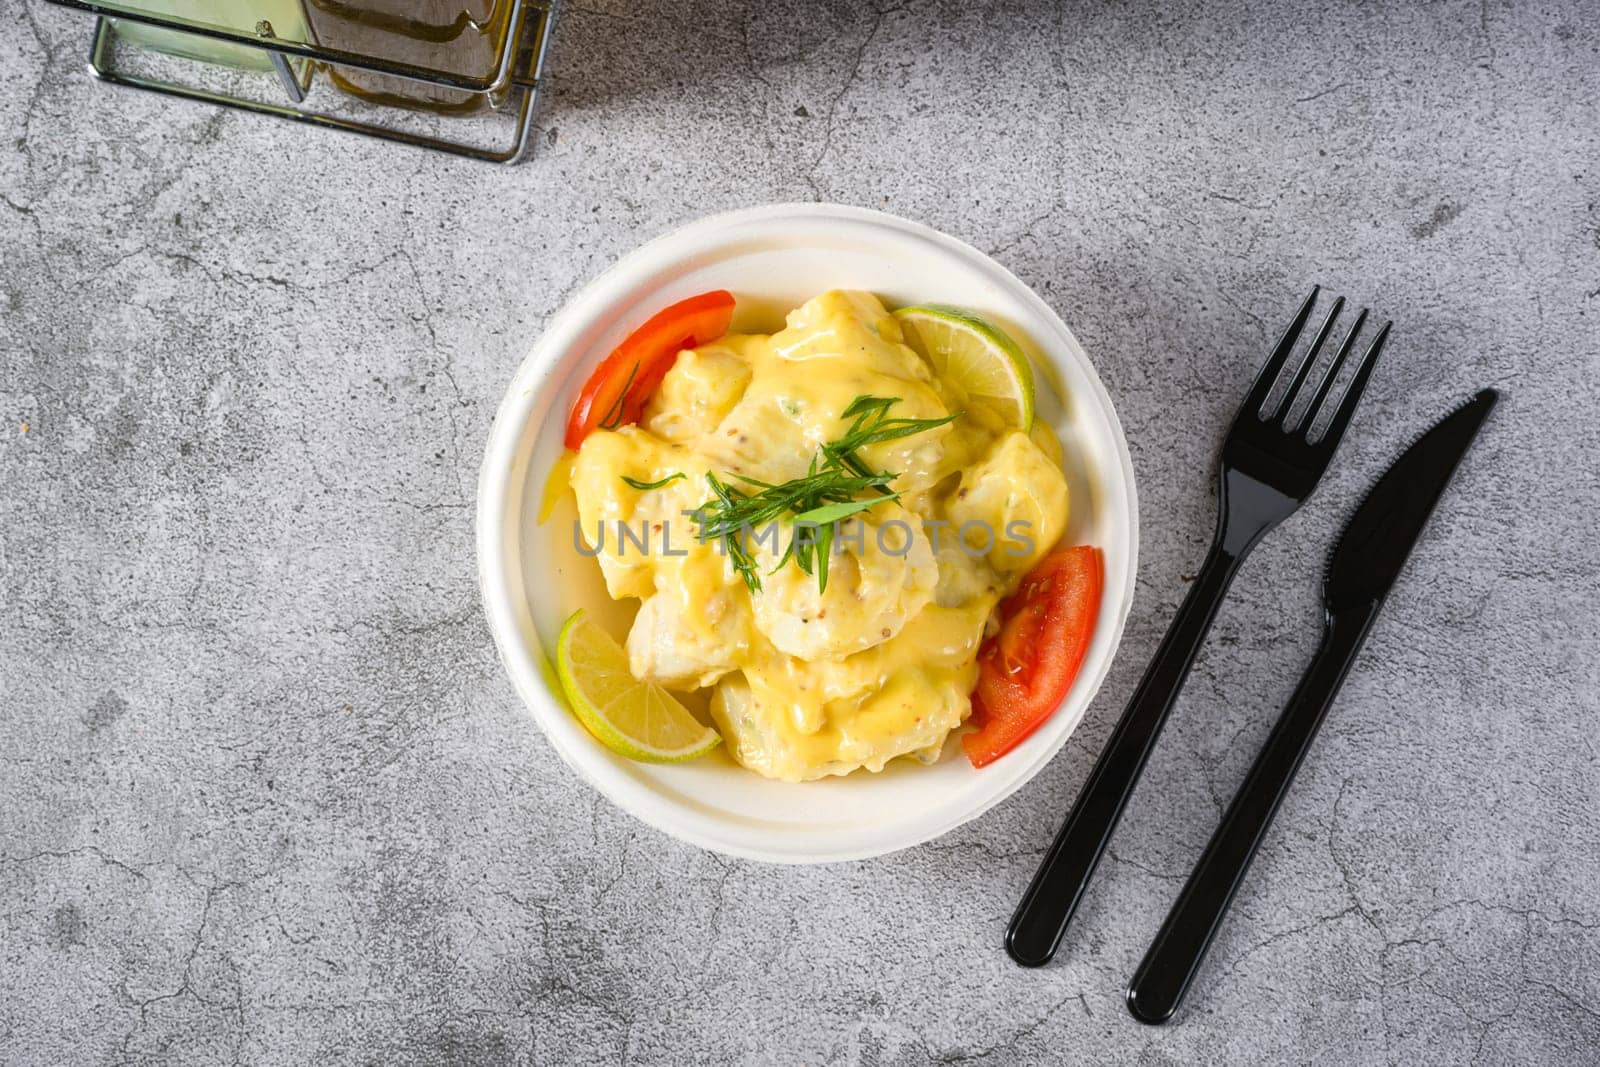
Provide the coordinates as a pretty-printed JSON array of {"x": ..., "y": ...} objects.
[{"x": 267, "y": 797}]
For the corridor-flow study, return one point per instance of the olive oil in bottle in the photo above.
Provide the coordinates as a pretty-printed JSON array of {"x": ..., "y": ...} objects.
[
  {"x": 466, "y": 38},
  {"x": 285, "y": 17}
]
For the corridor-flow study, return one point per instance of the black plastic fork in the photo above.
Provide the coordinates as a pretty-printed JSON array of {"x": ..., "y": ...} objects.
[{"x": 1270, "y": 464}]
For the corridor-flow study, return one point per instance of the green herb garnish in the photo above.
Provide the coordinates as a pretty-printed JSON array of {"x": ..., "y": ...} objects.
[
  {"x": 826, "y": 494},
  {"x": 872, "y": 424},
  {"x": 613, "y": 415},
  {"x": 842, "y": 510},
  {"x": 727, "y": 502},
  {"x": 646, "y": 486}
]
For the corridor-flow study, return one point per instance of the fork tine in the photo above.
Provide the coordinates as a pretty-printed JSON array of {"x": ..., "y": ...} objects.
[
  {"x": 1309, "y": 361},
  {"x": 1352, "y": 395},
  {"x": 1269, "y": 373},
  {"x": 1334, "y": 368}
]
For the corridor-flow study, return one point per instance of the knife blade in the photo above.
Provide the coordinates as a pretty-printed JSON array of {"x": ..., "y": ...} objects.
[
  {"x": 1379, "y": 537},
  {"x": 1362, "y": 568}
]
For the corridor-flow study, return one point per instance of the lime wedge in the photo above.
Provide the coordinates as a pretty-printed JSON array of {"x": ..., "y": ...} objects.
[
  {"x": 636, "y": 719},
  {"x": 976, "y": 355}
]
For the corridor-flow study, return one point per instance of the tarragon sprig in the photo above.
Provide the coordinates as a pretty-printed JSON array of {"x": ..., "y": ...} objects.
[
  {"x": 645, "y": 487},
  {"x": 826, "y": 494}
]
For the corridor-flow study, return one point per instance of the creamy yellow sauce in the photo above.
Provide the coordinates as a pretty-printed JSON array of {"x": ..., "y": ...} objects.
[{"x": 806, "y": 685}]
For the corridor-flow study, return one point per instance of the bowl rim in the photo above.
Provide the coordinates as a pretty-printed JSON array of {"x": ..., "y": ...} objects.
[{"x": 529, "y": 670}]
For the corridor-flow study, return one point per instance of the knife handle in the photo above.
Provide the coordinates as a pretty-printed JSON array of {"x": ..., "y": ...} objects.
[
  {"x": 1057, "y": 887},
  {"x": 1177, "y": 951}
]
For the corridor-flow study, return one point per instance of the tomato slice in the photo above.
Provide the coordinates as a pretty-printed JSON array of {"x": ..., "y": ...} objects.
[
  {"x": 617, "y": 391},
  {"x": 1025, "y": 670}
]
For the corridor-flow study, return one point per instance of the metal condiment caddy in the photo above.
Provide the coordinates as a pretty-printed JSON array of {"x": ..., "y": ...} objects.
[{"x": 459, "y": 76}]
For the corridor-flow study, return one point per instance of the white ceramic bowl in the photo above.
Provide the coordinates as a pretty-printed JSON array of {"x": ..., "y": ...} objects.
[{"x": 772, "y": 259}]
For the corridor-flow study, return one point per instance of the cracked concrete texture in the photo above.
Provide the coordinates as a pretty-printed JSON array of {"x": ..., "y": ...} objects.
[{"x": 268, "y": 798}]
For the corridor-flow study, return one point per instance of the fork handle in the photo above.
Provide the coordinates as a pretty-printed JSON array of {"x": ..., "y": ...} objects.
[
  {"x": 1057, "y": 888},
  {"x": 1178, "y": 950}
]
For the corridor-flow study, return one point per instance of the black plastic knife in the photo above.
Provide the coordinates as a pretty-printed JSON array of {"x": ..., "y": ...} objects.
[{"x": 1362, "y": 569}]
